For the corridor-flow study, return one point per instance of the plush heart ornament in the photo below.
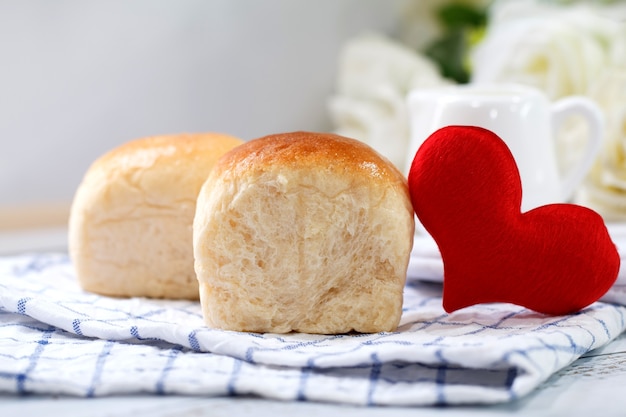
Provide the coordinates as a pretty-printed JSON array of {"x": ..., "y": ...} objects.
[{"x": 466, "y": 191}]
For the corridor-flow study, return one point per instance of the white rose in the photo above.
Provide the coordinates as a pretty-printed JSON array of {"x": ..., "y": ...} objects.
[
  {"x": 375, "y": 75},
  {"x": 560, "y": 50}
]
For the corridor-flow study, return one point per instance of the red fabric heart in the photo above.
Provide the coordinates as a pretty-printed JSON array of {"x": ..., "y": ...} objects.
[{"x": 466, "y": 191}]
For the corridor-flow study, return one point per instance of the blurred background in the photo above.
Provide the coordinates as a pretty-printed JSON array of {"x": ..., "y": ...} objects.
[{"x": 78, "y": 78}]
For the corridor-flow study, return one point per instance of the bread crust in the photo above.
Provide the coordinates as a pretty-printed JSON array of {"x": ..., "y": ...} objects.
[
  {"x": 130, "y": 228},
  {"x": 307, "y": 232},
  {"x": 300, "y": 150}
]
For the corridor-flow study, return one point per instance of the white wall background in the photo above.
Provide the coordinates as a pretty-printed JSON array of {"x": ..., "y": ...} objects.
[{"x": 78, "y": 78}]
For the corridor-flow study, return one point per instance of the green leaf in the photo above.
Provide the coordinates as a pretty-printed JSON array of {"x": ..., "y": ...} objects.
[
  {"x": 449, "y": 54},
  {"x": 457, "y": 15},
  {"x": 461, "y": 22}
]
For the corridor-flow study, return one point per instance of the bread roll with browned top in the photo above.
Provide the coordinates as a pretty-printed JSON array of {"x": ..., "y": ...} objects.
[
  {"x": 303, "y": 232},
  {"x": 130, "y": 230}
]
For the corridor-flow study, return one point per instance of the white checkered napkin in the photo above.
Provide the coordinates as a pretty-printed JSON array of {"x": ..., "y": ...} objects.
[{"x": 54, "y": 338}]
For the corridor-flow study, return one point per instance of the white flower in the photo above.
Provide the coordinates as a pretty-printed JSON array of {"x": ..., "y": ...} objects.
[
  {"x": 560, "y": 50},
  {"x": 375, "y": 75}
]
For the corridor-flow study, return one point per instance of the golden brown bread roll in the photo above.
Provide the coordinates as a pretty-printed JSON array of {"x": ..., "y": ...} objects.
[
  {"x": 130, "y": 230},
  {"x": 303, "y": 232}
]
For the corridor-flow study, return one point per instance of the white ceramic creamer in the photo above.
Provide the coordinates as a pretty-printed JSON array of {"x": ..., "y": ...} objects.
[{"x": 524, "y": 118}]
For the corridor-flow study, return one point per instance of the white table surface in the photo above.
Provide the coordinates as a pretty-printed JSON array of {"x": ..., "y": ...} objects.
[{"x": 594, "y": 385}]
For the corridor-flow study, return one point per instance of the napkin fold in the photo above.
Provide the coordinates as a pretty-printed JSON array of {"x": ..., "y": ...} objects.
[{"x": 57, "y": 339}]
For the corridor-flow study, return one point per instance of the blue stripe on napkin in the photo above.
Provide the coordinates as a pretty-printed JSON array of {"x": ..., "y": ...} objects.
[{"x": 57, "y": 339}]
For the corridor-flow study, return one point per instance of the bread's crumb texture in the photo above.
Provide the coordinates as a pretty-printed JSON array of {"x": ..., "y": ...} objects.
[{"x": 303, "y": 232}]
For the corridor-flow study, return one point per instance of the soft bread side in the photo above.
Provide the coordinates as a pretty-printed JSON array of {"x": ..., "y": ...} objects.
[
  {"x": 130, "y": 229},
  {"x": 303, "y": 232}
]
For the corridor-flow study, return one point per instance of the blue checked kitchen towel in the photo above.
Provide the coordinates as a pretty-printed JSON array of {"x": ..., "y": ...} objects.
[{"x": 57, "y": 339}]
